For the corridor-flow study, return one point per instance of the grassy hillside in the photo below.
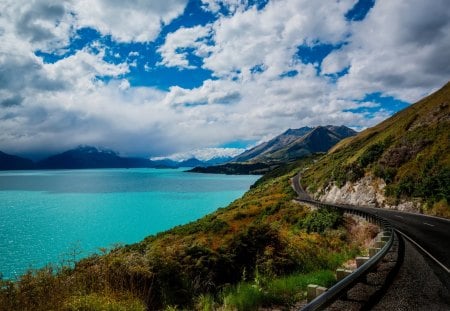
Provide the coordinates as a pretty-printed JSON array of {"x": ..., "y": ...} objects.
[
  {"x": 262, "y": 249},
  {"x": 410, "y": 151}
]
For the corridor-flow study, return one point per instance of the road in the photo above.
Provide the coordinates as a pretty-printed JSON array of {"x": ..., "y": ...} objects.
[{"x": 431, "y": 234}]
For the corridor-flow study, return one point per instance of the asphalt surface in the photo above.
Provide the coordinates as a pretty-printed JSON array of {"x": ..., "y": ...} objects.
[
  {"x": 431, "y": 234},
  {"x": 415, "y": 286}
]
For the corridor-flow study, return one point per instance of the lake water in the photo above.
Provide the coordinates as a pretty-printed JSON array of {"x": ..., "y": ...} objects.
[{"x": 45, "y": 215}]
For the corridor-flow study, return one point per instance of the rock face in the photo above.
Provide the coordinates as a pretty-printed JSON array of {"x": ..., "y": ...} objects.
[{"x": 367, "y": 191}]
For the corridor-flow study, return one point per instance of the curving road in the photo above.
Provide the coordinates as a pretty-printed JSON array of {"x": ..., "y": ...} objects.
[{"x": 430, "y": 234}]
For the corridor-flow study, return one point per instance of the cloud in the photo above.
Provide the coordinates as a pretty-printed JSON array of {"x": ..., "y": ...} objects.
[
  {"x": 47, "y": 25},
  {"x": 231, "y": 5},
  {"x": 400, "y": 49},
  {"x": 15, "y": 100},
  {"x": 135, "y": 20},
  {"x": 85, "y": 97},
  {"x": 173, "y": 51},
  {"x": 272, "y": 35}
]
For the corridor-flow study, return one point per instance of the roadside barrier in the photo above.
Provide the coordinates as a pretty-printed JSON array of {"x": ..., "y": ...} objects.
[{"x": 320, "y": 297}]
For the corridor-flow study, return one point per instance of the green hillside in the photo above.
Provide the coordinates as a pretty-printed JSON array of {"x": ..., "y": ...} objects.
[
  {"x": 410, "y": 151},
  {"x": 263, "y": 249}
]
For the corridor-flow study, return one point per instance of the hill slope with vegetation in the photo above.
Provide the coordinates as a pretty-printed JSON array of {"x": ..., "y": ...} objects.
[
  {"x": 263, "y": 249},
  {"x": 403, "y": 161}
]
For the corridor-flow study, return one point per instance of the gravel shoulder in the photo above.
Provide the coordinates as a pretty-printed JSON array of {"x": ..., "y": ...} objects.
[{"x": 416, "y": 286}]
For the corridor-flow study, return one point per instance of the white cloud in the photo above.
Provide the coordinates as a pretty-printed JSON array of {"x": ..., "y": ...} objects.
[
  {"x": 173, "y": 50},
  {"x": 271, "y": 36},
  {"x": 400, "y": 49},
  {"x": 230, "y": 5},
  {"x": 335, "y": 62},
  {"x": 135, "y": 20}
]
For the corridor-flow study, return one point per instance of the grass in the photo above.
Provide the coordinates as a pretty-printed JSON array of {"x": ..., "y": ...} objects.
[
  {"x": 95, "y": 302},
  {"x": 410, "y": 151},
  {"x": 284, "y": 291}
]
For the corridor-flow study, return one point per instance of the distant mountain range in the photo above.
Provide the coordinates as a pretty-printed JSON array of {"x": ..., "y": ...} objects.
[
  {"x": 296, "y": 143},
  {"x": 91, "y": 157},
  {"x": 11, "y": 162},
  {"x": 88, "y": 157},
  {"x": 192, "y": 162},
  {"x": 289, "y": 146}
]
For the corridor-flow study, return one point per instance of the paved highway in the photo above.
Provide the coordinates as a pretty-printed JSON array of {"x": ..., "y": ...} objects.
[{"x": 431, "y": 234}]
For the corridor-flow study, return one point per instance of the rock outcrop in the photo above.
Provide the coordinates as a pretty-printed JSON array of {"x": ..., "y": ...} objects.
[{"x": 367, "y": 191}]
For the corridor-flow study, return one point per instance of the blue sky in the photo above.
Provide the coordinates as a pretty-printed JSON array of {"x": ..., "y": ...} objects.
[{"x": 154, "y": 78}]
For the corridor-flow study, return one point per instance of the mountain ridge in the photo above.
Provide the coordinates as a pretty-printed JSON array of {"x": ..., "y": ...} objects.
[
  {"x": 13, "y": 162},
  {"x": 289, "y": 146},
  {"x": 295, "y": 143},
  {"x": 403, "y": 162},
  {"x": 84, "y": 157}
]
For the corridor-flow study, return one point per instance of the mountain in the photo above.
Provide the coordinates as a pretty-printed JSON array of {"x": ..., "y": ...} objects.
[
  {"x": 289, "y": 146},
  {"x": 12, "y": 162},
  {"x": 296, "y": 143},
  {"x": 403, "y": 162},
  {"x": 218, "y": 160},
  {"x": 272, "y": 145},
  {"x": 192, "y": 162},
  {"x": 91, "y": 157}
]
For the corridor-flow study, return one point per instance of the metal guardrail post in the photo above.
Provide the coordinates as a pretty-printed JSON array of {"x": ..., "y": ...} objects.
[{"x": 341, "y": 287}]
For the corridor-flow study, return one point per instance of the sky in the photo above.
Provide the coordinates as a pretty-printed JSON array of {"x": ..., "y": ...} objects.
[{"x": 158, "y": 78}]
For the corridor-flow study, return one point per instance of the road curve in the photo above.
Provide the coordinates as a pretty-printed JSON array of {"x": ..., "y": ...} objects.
[{"x": 431, "y": 234}]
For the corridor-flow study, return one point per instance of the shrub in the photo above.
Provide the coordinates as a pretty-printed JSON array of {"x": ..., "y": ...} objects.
[
  {"x": 283, "y": 291},
  {"x": 96, "y": 302},
  {"x": 371, "y": 154},
  {"x": 320, "y": 220},
  {"x": 386, "y": 173},
  {"x": 260, "y": 245}
]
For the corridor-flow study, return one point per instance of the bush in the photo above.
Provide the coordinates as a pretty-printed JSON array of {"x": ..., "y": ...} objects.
[
  {"x": 96, "y": 302},
  {"x": 284, "y": 291},
  {"x": 371, "y": 154},
  {"x": 386, "y": 173},
  {"x": 342, "y": 174},
  {"x": 259, "y": 245},
  {"x": 320, "y": 220}
]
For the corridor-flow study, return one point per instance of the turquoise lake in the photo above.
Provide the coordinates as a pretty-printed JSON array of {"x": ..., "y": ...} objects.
[{"x": 45, "y": 215}]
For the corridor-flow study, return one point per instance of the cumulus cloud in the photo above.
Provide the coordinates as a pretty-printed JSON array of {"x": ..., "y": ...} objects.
[
  {"x": 173, "y": 51},
  {"x": 271, "y": 36},
  {"x": 135, "y": 20},
  {"x": 399, "y": 49}
]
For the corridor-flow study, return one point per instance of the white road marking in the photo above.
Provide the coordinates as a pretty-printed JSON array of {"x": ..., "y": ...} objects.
[
  {"x": 398, "y": 216},
  {"x": 431, "y": 256},
  {"x": 425, "y": 223}
]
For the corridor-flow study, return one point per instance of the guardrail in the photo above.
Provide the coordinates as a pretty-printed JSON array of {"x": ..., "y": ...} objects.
[{"x": 349, "y": 281}]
